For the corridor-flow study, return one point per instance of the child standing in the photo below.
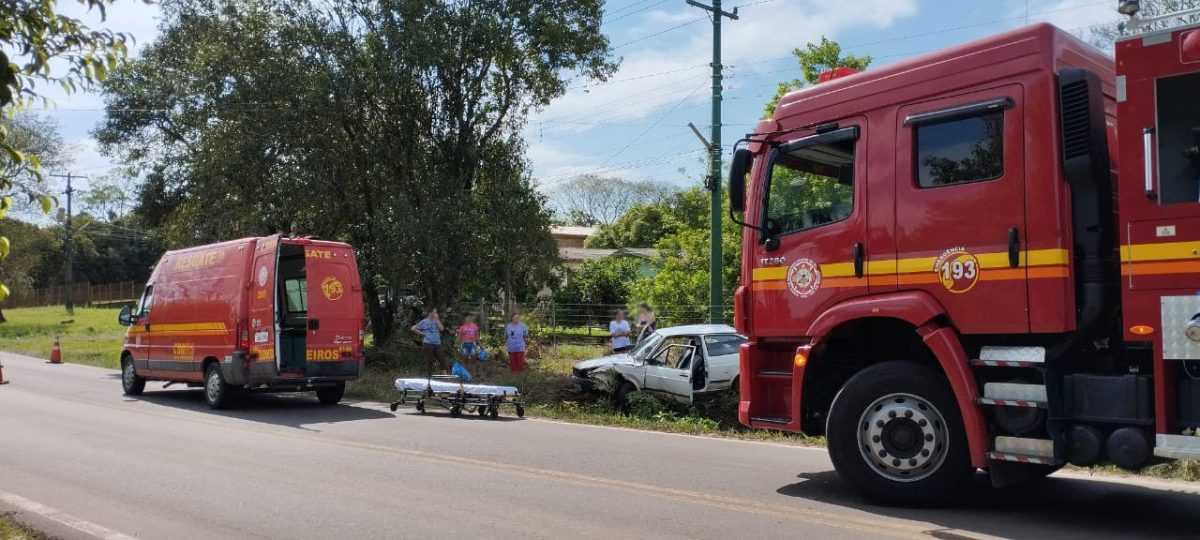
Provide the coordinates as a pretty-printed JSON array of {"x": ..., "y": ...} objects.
[
  {"x": 468, "y": 338},
  {"x": 515, "y": 334}
]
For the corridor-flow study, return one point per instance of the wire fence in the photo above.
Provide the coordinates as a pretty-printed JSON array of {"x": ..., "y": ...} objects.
[
  {"x": 82, "y": 294},
  {"x": 583, "y": 323}
]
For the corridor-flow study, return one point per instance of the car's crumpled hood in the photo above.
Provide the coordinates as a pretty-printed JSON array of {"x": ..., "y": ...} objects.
[{"x": 588, "y": 365}]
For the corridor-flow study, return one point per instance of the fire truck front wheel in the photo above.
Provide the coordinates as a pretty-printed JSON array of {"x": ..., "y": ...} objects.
[
  {"x": 896, "y": 434},
  {"x": 216, "y": 392}
]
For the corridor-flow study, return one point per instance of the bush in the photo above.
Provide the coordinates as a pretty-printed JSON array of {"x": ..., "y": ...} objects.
[{"x": 643, "y": 405}]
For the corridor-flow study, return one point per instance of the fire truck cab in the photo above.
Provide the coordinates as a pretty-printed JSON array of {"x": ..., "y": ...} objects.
[
  {"x": 272, "y": 314},
  {"x": 943, "y": 270}
]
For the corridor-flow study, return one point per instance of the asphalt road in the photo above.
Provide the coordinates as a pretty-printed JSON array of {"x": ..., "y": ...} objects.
[{"x": 80, "y": 460}]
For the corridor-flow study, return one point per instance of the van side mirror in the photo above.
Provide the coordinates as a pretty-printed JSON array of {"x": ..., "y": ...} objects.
[
  {"x": 125, "y": 318},
  {"x": 738, "y": 169}
]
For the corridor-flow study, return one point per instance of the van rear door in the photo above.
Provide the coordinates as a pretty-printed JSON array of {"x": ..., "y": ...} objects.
[
  {"x": 335, "y": 310},
  {"x": 262, "y": 324}
]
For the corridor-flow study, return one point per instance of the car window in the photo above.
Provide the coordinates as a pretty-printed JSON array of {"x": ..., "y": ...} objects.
[
  {"x": 647, "y": 344},
  {"x": 723, "y": 345},
  {"x": 960, "y": 151},
  {"x": 810, "y": 186},
  {"x": 679, "y": 357},
  {"x": 147, "y": 299}
]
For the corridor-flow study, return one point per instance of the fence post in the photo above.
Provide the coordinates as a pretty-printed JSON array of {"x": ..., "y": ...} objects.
[{"x": 554, "y": 323}]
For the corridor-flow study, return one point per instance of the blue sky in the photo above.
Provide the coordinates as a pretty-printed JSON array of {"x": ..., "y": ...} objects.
[{"x": 635, "y": 125}]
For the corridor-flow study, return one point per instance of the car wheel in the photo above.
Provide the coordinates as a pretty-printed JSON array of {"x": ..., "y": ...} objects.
[
  {"x": 622, "y": 397},
  {"x": 132, "y": 383},
  {"x": 895, "y": 433},
  {"x": 331, "y": 395},
  {"x": 216, "y": 392}
]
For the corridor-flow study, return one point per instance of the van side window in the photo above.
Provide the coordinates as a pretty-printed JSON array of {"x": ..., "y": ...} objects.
[
  {"x": 144, "y": 304},
  {"x": 961, "y": 150},
  {"x": 296, "y": 291},
  {"x": 810, "y": 186}
]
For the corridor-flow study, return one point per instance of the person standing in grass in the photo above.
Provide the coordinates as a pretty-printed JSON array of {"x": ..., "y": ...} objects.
[
  {"x": 619, "y": 329},
  {"x": 430, "y": 329},
  {"x": 468, "y": 339},
  {"x": 515, "y": 334},
  {"x": 647, "y": 321}
]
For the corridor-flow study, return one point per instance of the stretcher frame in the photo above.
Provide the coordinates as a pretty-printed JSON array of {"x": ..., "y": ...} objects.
[{"x": 485, "y": 404}]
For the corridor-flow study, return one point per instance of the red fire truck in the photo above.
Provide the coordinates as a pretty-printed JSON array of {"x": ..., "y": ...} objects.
[
  {"x": 265, "y": 314},
  {"x": 987, "y": 257}
]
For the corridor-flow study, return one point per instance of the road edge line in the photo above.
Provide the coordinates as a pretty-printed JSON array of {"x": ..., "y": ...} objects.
[{"x": 62, "y": 518}]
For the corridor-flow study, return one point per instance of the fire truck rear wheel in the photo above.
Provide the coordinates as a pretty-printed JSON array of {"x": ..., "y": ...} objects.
[
  {"x": 131, "y": 382},
  {"x": 331, "y": 395},
  {"x": 895, "y": 433},
  {"x": 216, "y": 392}
]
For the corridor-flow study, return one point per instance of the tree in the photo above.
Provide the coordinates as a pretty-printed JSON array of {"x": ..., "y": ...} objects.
[
  {"x": 1104, "y": 35},
  {"x": 639, "y": 227},
  {"x": 605, "y": 281},
  {"x": 108, "y": 197},
  {"x": 40, "y": 35},
  {"x": 33, "y": 135},
  {"x": 599, "y": 200},
  {"x": 371, "y": 121},
  {"x": 813, "y": 60}
]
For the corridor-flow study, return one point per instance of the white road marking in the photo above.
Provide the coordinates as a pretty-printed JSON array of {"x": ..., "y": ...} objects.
[{"x": 64, "y": 518}]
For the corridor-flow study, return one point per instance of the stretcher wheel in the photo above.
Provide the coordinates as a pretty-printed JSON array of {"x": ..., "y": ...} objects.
[
  {"x": 455, "y": 411},
  {"x": 520, "y": 411},
  {"x": 494, "y": 412},
  {"x": 421, "y": 406},
  {"x": 395, "y": 406}
]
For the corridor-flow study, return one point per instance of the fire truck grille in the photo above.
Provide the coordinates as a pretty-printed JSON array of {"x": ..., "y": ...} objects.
[{"x": 1075, "y": 121}]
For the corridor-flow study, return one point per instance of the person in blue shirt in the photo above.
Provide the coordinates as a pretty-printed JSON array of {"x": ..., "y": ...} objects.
[
  {"x": 515, "y": 334},
  {"x": 619, "y": 329},
  {"x": 430, "y": 329}
]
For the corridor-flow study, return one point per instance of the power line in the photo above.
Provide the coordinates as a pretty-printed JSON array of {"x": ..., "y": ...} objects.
[{"x": 659, "y": 33}]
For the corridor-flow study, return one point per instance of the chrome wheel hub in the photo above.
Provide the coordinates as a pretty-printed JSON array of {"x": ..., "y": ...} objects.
[
  {"x": 130, "y": 375},
  {"x": 903, "y": 437}
]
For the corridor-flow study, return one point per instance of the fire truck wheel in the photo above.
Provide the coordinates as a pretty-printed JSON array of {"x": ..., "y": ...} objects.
[
  {"x": 895, "y": 433},
  {"x": 216, "y": 392},
  {"x": 131, "y": 382},
  {"x": 331, "y": 395}
]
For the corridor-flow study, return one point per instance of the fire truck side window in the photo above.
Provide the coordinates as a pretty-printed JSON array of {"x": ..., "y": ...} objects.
[
  {"x": 810, "y": 185},
  {"x": 1178, "y": 138},
  {"x": 961, "y": 150}
]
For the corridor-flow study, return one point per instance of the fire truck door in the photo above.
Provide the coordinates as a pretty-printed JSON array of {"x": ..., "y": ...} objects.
[
  {"x": 810, "y": 253},
  {"x": 960, "y": 208},
  {"x": 263, "y": 315}
]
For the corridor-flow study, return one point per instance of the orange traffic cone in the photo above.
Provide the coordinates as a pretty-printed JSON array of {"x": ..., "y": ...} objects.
[
  {"x": 55, "y": 353},
  {"x": 2, "y": 381}
]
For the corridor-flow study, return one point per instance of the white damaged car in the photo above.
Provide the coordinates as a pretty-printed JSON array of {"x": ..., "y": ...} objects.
[{"x": 676, "y": 363}]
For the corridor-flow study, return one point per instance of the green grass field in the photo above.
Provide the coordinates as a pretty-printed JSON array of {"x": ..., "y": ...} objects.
[
  {"x": 92, "y": 336},
  {"x": 11, "y": 529}
]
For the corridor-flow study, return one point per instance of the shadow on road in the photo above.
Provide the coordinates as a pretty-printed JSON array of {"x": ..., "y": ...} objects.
[
  {"x": 1091, "y": 508},
  {"x": 298, "y": 411}
]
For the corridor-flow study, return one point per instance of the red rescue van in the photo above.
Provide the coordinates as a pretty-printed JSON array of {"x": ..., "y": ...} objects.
[{"x": 239, "y": 315}]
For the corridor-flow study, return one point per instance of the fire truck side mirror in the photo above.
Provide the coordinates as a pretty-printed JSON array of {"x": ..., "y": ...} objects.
[
  {"x": 738, "y": 169},
  {"x": 125, "y": 318}
]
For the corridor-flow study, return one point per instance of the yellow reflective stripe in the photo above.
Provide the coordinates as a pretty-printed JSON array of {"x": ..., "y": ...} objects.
[
  {"x": 888, "y": 267},
  {"x": 208, "y": 327},
  {"x": 1160, "y": 251}
]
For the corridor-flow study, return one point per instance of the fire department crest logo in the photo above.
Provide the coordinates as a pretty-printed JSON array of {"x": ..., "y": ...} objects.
[
  {"x": 957, "y": 269},
  {"x": 804, "y": 278},
  {"x": 262, "y": 276},
  {"x": 331, "y": 288}
]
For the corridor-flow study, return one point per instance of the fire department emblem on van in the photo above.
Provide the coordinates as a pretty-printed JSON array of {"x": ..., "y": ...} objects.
[
  {"x": 331, "y": 288},
  {"x": 804, "y": 278},
  {"x": 957, "y": 269},
  {"x": 262, "y": 276}
]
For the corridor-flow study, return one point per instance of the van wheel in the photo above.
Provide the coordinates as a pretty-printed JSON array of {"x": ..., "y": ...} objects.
[
  {"x": 216, "y": 392},
  {"x": 895, "y": 433},
  {"x": 132, "y": 383},
  {"x": 331, "y": 395}
]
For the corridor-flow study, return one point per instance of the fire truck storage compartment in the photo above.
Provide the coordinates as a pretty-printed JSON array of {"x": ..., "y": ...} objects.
[
  {"x": 1178, "y": 134},
  {"x": 1124, "y": 399},
  {"x": 1189, "y": 394},
  {"x": 292, "y": 303}
]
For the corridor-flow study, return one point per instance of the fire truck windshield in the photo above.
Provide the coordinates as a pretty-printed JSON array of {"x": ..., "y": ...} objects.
[{"x": 810, "y": 183}]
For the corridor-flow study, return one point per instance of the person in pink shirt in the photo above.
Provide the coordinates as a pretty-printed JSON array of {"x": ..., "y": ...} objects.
[{"x": 468, "y": 338}]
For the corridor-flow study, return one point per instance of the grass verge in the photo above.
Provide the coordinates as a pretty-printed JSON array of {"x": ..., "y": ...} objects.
[
  {"x": 91, "y": 336},
  {"x": 11, "y": 529}
]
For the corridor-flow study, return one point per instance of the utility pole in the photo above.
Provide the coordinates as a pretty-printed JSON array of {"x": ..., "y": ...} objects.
[
  {"x": 69, "y": 246},
  {"x": 715, "y": 300}
]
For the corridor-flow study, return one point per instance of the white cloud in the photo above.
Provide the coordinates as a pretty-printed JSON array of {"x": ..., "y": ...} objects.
[{"x": 652, "y": 78}]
